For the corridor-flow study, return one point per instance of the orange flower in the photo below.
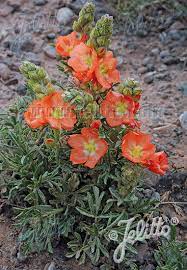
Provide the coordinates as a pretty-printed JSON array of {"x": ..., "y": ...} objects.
[
  {"x": 106, "y": 72},
  {"x": 118, "y": 109},
  {"x": 65, "y": 44},
  {"x": 158, "y": 163},
  {"x": 83, "y": 60},
  {"x": 137, "y": 147},
  {"x": 35, "y": 116},
  {"x": 60, "y": 114},
  {"x": 88, "y": 147}
]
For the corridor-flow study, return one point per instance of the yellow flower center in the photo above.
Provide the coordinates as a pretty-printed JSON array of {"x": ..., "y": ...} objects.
[
  {"x": 103, "y": 69},
  {"x": 121, "y": 108},
  {"x": 90, "y": 147},
  {"x": 57, "y": 113},
  {"x": 88, "y": 61},
  {"x": 136, "y": 152}
]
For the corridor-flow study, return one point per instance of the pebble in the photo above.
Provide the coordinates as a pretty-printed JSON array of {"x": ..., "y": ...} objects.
[
  {"x": 77, "y": 5},
  {"x": 183, "y": 88},
  {"x": 164, "y": 54},
  {"x": 162, "y": 76},
  {"x": 147, "y": 60},
  {"x": 174, "y": 34},
  {"x": 65, "y": 16},
  {"x": 50, "y": 266},
  {"x": 167, "y": 58},
  {"x": 51, "y": 36},
  {"x": 4, "y": 12},
  {"x": 170, "y": 60},
  {"x": 142, "y": 70},
  {"x": 50, "y": 51},
  {"x": 148, "y": 193},
  {"x": 66, "y": 31},
  {"x": 4, "y": 71},
  {"x": 21, "y": 257},
  {"x": 155, "y": 51},
  {"x": 155, "y": 196},
  {"x": 21, "y": 89},
  {"x": 149, "y": 77},
  {"x": 27, "y": 43},
  {"x": 150, "y": 267},
  {"x": 162, "y": 68},
  {"x": 40, "y": 2},
  {"x": 183, "y": 120},
  {"x": 32, "y": 57},
  {"x": 150, "y": 67}
]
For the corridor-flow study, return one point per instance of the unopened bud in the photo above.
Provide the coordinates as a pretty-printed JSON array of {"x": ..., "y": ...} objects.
[{"x": 85, "y": 21}]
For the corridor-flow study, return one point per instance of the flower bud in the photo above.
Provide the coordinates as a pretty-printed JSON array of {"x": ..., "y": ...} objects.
[
  {"x": 130, "y": 176},
  {"x": 86, "y": 18},
  {"x": 37, "y": 79},
  {"x": 101, "y": 34}
]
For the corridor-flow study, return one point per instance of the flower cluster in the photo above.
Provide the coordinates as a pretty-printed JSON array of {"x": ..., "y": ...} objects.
[
  {"x": 112, "y": 104},
  {"x": 87, "y": 64}
]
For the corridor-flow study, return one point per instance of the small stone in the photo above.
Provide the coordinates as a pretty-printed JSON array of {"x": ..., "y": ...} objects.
[
  {"x": 50, "y": 51},
  {"x": 65, "y": 16},
  {"x": 21, "y": 89},
  {"x": 27, "y": 44},
  {"x": 167, "y": 58},
  {"x": 174, "y": 34},
  {"x": 77, "y": 5},
  {"x": 50, "y": 266},
  {"x": 155, "y": 51},
  {"x": 4, "y": 12},
  {"x": 164, "y": 54},
  {"x": 40, "y": 2},
  {"x": 149, "y": 77},
  {"x": 150, "y": 67},
  {"x": 155, "y": 196},
  {"x": 162, "y": 68},
  {"x": 170, "y": 60},
  {"x": 66, "y": 31},
  {"x": 148, "y": 193},
  {"x": 142, "y": 70},
  {"x": 183, "y": 120},
  {"x": 150, "y": 267},
  {"x": 32, "y": 57},
  {"x": 21, "y": 257},
  {"x": 4, "y": 71},
  {"x": 162, "y": 76},
  {"x": 51, "y": 36},
  {"x": 183, "y": 88},
  {"x": 147, "y": 60}
]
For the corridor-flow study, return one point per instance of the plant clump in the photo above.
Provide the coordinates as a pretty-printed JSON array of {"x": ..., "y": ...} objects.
[{"x": 74, "y": 153}]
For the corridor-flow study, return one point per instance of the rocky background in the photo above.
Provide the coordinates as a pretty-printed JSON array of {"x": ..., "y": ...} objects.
[{"x": 151, "y": 49}]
